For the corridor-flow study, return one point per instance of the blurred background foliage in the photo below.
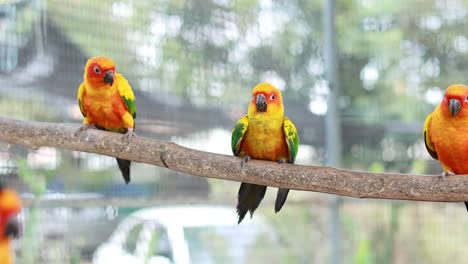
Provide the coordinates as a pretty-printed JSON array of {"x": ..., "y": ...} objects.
[{"x": 193, "y": 64}]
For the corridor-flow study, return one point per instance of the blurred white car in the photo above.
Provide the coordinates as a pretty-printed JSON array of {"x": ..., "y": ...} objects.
[
  {"x": 187, "y": 235},
  {"x": 67, "y": 229}
]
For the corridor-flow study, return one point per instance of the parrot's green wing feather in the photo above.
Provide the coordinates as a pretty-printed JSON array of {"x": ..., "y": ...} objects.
[
  {"x": 80, "y": 96},
  {"x": 238, "y": 133},
  {"x": 427, "y": 138},
  {"x": 126, "y": 92},
  {"x": 292, "y": 139}
]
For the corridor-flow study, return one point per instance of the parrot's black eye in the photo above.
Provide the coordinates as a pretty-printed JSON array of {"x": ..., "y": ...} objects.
[
  {"x": 272, "y": 97},
  {"x": 466, "y": 98},
  {"x": 97, "y": 70}
]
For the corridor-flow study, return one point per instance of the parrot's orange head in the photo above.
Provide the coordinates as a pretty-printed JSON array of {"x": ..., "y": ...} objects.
[
  {"x": 99, "y": 72},
  {"x": 455, "y": 102},
  {"x": 10, "y": 206},
  {"x": 266, "y": 101}
]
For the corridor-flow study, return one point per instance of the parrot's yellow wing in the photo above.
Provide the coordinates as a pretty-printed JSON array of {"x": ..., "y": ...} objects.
[
  {"x": 80, "y": 96},
  {"x": 126, "y": 92},
  {"x": 292, "y": 139},
  {"x": 238, "y": 133},
  {"x": 427, "y": 138}
]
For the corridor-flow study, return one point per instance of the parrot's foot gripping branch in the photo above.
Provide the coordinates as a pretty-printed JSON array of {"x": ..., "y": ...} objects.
[
  {"x": 280, "y": 161},
  {"x": 129, "y": 135},
  {"x": 245, "y": 159},
  {"x": 444, "y": 174},
  {"x": 83, "y": 128}
]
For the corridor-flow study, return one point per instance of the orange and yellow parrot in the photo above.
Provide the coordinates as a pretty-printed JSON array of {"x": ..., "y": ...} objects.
[
  {"x": 10, "y": 206},
  {"x": 265, "y": 133},
  {"x": 107, "y": 102},
  {"x": 446, "y": 131}
]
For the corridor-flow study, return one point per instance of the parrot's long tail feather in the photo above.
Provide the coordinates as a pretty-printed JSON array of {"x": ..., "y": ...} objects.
[
  {"x": 248, "y": 199},
  {"x": 281, "y": 197},
  {"x": 466, "y": 205},
  {"x": 124, "y": 166}
]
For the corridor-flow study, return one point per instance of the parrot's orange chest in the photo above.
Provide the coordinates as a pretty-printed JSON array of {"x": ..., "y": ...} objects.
[
  {"x": 5, "y": 251},
  {"x": 450, "y": 139},
  {"x": 104, "y": 109},
  {"x": 265, "y": 140}
]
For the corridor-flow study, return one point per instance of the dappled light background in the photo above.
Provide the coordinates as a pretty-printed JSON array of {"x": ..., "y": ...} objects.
[{"x": 192, "y": 65}]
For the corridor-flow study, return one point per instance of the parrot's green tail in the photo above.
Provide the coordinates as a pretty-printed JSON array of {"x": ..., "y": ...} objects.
[
  {"x": 248, "y": 199},
  {"x": 124, "y": 166}
]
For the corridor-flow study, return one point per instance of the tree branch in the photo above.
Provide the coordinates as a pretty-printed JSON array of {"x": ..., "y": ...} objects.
[{"x": 210, "y": 165}]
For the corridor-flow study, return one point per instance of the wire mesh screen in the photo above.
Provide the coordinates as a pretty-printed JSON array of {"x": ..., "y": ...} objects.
[{"x": 192, "y": 66}]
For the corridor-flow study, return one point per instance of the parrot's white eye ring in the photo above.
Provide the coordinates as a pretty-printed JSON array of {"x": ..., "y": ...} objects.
[
  {"x": 466, "y": 98},
  {"x": 272, "y": 97},
  {"x": 97, "y": 70}
]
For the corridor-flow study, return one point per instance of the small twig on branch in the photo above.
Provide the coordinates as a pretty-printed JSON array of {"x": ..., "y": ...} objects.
[{"x": 204, "y": 164}]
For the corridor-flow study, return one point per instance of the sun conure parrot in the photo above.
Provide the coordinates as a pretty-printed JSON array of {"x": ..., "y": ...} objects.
[
  {"x": 10, "y": 206},
  {"x": 265, "y": 133},
  {"x": 107, "y": 102},
  {"x": 446, "y": 131}
]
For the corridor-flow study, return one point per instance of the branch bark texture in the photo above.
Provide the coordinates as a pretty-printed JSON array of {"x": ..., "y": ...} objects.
[{"x": 204, "y": 164}]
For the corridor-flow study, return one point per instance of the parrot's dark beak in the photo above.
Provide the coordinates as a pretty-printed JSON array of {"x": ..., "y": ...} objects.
[
  {"x": 12, "y": 229},
  {"x": 455, "y": 106},
  {"x": 109, "y": 77},
  {"x": 261, "y": 103}
]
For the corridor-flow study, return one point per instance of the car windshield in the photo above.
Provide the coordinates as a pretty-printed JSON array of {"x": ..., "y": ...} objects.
[{"x": 231, "y": 244}]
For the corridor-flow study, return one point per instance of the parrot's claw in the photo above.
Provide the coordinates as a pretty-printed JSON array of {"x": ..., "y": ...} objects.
[
  {"x": 281, "y": 161},
  {"x": 128, "y": 135},
  {"x": 83, "y": 128},
  {"x": 444, "y": 174},
  {"x": 245, "y": 159}
]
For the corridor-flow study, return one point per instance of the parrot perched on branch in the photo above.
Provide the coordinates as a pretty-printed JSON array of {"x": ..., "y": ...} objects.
[
  {"x": 265, "y": 133},
  {"x": 10, "y": 206},
  {"x": 107, "y": 102},
  {"x": 446, "y": 131}
]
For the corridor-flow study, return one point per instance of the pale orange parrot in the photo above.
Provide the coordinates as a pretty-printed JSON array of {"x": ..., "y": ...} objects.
[
  {"x": 446, "y": 131},
  {"x": 10, "y": 206},
  {"x": 107, "y": 102}
]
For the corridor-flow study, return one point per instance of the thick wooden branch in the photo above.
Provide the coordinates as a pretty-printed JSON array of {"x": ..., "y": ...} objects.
[{"x": 204, "y": 164}]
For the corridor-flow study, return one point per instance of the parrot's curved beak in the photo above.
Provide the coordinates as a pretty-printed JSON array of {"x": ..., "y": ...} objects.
[
  {"x": 261, "y": 103},
  {"x": 12, "y": 229},
  {"x": 455, "y": 106},
  {"x": 109, "y": 77}
]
